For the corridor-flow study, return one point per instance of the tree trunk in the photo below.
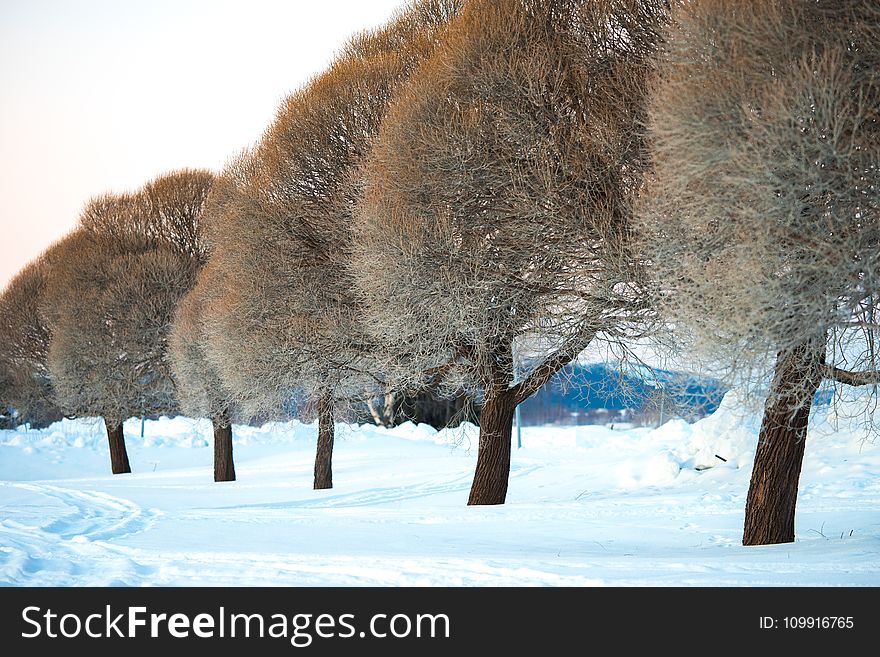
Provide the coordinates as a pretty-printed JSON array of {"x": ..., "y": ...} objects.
[
  {"x": 324, "y": 452},
  {"x": 118, "y": 454},
  {"x": 493, "y": 459},
  {"x": 770, "y": 505},
  {"x": 388, "y": 410},
  {"x": 371, "y": 406},
  {"x": 224, "y": 466}
]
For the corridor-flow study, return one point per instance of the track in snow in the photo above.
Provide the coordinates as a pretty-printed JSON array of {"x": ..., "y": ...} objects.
[{"x": 62, "y": 532}]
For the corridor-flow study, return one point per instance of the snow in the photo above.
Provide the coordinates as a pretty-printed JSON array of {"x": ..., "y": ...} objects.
[{"x": 587, "y": 506}]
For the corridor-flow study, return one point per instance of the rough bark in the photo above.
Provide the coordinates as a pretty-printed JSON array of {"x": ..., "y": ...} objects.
[
  {"x": 324, "y": 452},
  {"x": 224, "y": 466},
  {"x": 493, "y": 459},
  {"x": 772, "y": 497},
  {"x": 118, "y": 454}
]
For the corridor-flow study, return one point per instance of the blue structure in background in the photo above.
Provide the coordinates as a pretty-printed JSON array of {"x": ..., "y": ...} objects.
[{"x": 600, "y": 394}]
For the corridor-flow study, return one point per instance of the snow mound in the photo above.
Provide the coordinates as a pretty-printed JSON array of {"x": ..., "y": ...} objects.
[
  {"x": 727, "y": 436},
  {"x": 656, "y": 469},
  {"x": 725, "y": 439}
]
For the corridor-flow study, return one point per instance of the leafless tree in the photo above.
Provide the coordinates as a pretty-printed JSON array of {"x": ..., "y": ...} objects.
[
  {"x": 25, "y": 384},
  {"x": 290, "y": 322},
  {"x": 113, "y": 286},
  {"x": 496, "y": 211},
  {"x": 200, "y": 390},
  {"x": 762, "y": 214}
]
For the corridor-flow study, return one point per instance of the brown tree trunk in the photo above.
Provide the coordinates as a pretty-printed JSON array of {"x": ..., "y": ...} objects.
[
  {"x": 493, "y": 459},
  {"x": 118, "y": 454},
  {"x": 224, "y": 466},
  {"x": 324, "y": 452},
  {"x": 770, "y": 505}
]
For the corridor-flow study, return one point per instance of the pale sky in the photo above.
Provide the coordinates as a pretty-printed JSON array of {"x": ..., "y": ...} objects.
[{"x": 102, "y": 95}]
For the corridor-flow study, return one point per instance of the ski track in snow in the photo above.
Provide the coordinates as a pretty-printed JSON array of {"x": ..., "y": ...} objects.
[
  {"x": 49, "y": 552},
  {"x": 93, "y": 515}
]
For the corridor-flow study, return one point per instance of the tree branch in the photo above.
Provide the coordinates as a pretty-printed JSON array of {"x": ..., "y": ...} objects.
[
  {"x": 864, "y": 378},
  {"x": 555, "y": 362},
  {"x": 432, "y": 378}
]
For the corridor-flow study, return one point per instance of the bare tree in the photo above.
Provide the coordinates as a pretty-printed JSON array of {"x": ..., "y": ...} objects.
[
  {"x": 113, "y": 287},
  {"x": 290, "y": 323},
  {"x": 762, "y": 213},
  {"x": 497, "y": 204},
  {"x": 25, "y": 384},
  {"x": 200, "y": 389}
]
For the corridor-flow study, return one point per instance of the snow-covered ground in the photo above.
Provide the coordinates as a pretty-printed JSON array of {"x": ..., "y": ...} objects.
[{"x": 586, "y": 506}]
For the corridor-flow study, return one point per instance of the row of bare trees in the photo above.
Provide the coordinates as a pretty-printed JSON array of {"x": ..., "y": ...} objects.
[
  {"x": 467, "y": 199},
  {"x": 289, "y": 320}
]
